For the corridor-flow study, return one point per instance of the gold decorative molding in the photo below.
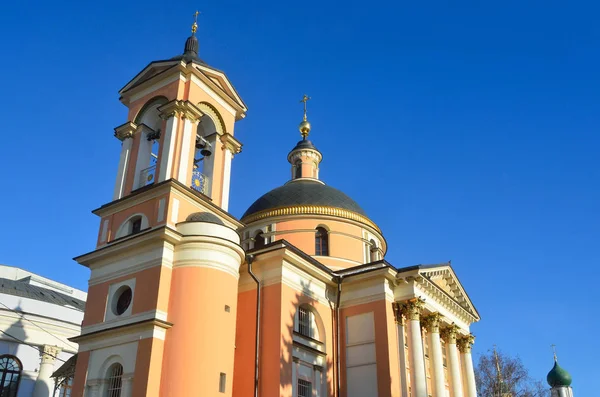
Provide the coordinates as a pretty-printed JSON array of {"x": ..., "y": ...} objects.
[
  {"x": 125, "y": 131},
  {"x": 449, "y": 333},
  {"x": 231, "y": 144},
  {"x": 399, "y": 317},
  {"x": 49, "y": 354},
  {"x": 209, "y": 110},
  {"x": 464, "y": 344},
  {"x": 310, "y": 210},
  {"x": 432, "y": 322},
  {"x": 176, "y": 108},
  {"x": 411, "y": 309}
]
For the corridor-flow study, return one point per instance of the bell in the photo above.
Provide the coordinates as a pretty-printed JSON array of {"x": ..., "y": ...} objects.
[{"x": 205, "y": 151}]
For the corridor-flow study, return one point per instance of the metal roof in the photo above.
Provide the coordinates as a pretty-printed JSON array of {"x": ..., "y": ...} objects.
[{"x": 22, "y": 289}]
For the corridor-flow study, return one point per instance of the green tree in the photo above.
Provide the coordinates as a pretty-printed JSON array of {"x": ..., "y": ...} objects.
[{"x": 500, "y": 375}]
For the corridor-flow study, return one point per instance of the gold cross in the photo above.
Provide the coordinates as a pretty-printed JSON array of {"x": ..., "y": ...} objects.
[
  {"x": 195, "y": 24},
  {"x": 305, "y": 99},
  {"x": 554, "y": 350}
]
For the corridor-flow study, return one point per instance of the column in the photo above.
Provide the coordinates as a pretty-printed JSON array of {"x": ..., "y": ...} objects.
[
  {"x": 167, "y": 152},
  {"x": 432, "y": 324},
  {"x": 464, "y": 345},
  {"x": 126, "y": 385},
  {"x": 295, "y": 363},
  {"x": 402, "y": 359},
  {"x": 44, "y": 385},
  {"x": 127, "y": 141},
  {"x": 317, "y": 372},
  {"x": 418, "y": 381},
  {"x": 186, "y": 149},
  {"x": 449, "y": 336}
]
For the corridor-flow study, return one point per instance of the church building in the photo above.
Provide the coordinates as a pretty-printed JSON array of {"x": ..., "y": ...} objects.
[{"x": 294, "y": 298}]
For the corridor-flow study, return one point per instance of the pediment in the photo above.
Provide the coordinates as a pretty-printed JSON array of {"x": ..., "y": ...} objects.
[
  {"x": 150, "y": 71},
  {"x": 221, "y": 80},
  {"x": 446, "y": 281}
]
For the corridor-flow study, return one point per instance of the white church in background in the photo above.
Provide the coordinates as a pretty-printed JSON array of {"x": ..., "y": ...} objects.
[{"x": 37, "y": 316}]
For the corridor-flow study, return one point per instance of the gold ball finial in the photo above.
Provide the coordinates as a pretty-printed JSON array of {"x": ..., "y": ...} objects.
[{"x": 304, "y": 126}]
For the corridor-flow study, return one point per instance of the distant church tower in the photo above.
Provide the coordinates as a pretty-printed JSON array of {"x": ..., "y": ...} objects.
[
  {"x": 161, "y": 311},
  {"x": 560, "y": 381}
]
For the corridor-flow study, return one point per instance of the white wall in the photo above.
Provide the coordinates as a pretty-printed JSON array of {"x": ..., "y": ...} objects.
[{"x": 361, "y": 365}]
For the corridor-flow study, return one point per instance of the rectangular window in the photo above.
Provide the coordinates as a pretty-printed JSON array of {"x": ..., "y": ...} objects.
[
  {"x": 304, "y": 322},
  {"x": 304, "y": 388},
  {"x": 136, "y": 225},
  {"x": 222, "y": 382}
]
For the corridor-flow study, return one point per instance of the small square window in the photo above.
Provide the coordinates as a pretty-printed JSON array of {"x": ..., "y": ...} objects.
[{"x": 222, "y": 382}]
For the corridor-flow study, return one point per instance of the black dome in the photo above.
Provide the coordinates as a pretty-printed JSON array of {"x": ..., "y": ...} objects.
[{"x": 302, "y": 192}]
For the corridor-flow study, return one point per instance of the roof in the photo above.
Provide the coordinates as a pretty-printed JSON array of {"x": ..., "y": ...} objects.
[
  {"x": 204, "y": 217},
  {"x": 19, "y": 288},
  {"x": 66, "y": 370},
  {"x": 304, "y": 192},
  {"x": 558, "y": 376}
]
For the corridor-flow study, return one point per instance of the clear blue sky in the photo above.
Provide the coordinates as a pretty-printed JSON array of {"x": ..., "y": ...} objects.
[{"x": 467, "y": 131}]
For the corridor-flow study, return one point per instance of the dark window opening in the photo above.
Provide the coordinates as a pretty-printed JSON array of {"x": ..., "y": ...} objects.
[
  {"x": 321, "y": 242},
  {"x": 115, "y": 380},
  {"x": 124, "y": 300},
  {"x": 259, "y": 240},
  {"x": 136, "y": 225},
  {"x": 304, "y": 388},
  {"x": 304, "y": 322},
  {"x": 10, "y": 375},
  {"x": 298, "y": 169}
]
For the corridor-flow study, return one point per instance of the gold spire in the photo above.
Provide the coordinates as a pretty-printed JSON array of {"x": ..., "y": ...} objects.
[
  {"x": 195, "y": 24},
  {"x": 304, "y": 125}
]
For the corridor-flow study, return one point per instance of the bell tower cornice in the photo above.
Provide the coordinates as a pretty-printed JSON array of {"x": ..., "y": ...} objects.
[
  {"x": 125, "y": 131},
  {"x": 184, "y": 108}
]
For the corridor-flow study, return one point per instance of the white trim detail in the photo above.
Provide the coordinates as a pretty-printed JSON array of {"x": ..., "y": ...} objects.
[
  {"x": 156, "y": 86},
  {"x": 104, "y": 232},
  {"x": 119, "y": 321},
  {"x": 185, "y": 151},
  {"x": 122, "y": 170},
  {"x": 212, "y": 94},
  {"x": 168, "y": 149},
  {"x": 175, "y": 210},
  {"x": 226, "y": 180},
  {"x": 161, "y": 210}
]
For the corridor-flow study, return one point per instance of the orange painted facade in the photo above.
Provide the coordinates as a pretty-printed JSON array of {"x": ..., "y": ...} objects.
[{"x": 171, "y": 303}]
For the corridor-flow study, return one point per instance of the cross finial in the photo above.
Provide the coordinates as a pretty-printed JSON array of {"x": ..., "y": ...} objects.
[
  {"x": 305, "y": 99},
  {"x": 554, "y": 350},
  {"x": 195, "y": 24}
]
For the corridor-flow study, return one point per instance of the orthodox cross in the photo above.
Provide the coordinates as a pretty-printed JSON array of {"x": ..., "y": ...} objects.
[
  {"x": 554, "y": 350},
  {"x": 195, "y": 24},
  {"x": 305, "y": 99}
]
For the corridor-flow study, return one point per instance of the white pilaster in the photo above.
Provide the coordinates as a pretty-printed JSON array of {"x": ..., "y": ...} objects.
[
  {"x": 432, "y": 323},
  {"x": 226, "y": 179},
  {"x": 44, "y": 385},
  {"x": 93, "y": 388},
  {"x": 402, "y": 356},
  {"x": 186, "y": 147},
  {"x": 449, "y": 335},
  {"x": 464, "y": 345},
  {"x": 123, "y": 167},
  {"x": 295, "y": 364},
  {"x": 412, "y": 310},
  {"x": 168, "y": 149}
]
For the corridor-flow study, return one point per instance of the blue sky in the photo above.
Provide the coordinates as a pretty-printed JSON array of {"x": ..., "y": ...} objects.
[{"x": 466, "y": 131}]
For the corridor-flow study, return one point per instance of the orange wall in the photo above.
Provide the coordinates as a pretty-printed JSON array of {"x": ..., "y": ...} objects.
[
  {"x": 150, "y": 284},
  {"x": 245, "y": 339},
  {"x": 83, "y": 358},
  {"x": 146, "y": 379},
  {"x": 385, "y": 346},
  {"x": 201, "y": 343}
]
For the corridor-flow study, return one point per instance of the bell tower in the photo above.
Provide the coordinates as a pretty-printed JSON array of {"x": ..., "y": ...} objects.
[{"x": 162, "y": 299}]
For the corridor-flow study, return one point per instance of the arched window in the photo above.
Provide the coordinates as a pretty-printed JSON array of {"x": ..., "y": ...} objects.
[
  {"x": 298, "y": 169},
  {"x": 150, "y": 124},
  {"x": 321, "y": 242},
  {"x": 259, "y": 240},
  {"x": 114, "y": 381},
  {"x": 374, "y": 251},
  {"x": 10, "y": 375}
]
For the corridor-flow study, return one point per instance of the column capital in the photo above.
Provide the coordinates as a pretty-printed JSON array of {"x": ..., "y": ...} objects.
[
  {"x": 464, "y": 344},
  {"x": 295, "y": 359},
  {"x": 432, "y": 322},
  {"x": 230, "y": 143},
  {"x": 317, "y": 368},
  {"x": 176, "y": 108},
  {"x": 398, "y": 315},
  {"x": 48, "y": 354},
  {"x": 449, "y": 333},
  {"x": 411, "y": 309},
  {"x": 125, "y": 131}
]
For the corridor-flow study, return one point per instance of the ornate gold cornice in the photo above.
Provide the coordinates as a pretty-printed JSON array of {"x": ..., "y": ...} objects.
[
  {"x": 411, "y": 309},
  {"x": 125, "y": 131},
  {"x": 310, "y": 210},
  {"x": 230, "y": 143},
  {"x": 432, "y": 322},
  {"x": 399, "y": 317},
  {"x": 449, "y": 333},
  {"x": 180, "y": 108},
  {"x": 464, "y": 344}
]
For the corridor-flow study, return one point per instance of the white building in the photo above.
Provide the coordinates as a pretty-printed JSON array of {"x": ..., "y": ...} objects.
[{"x": 37, "y": 316}]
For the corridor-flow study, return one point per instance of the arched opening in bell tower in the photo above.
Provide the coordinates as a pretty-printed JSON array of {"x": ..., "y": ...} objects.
[
  {"x": 202, "y": 169},
  {"x": 149, "y": 127}
]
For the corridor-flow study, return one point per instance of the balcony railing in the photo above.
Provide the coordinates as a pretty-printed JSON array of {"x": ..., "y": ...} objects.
[
  {"x": 200, "y": 182},
  {"x": 147, "y": 176}
]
